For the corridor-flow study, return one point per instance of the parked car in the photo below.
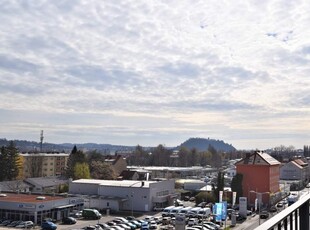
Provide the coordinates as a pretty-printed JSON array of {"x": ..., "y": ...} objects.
[
  {"x": 148, "y": 218},
  {"x": 192, "y": 221},
  {"x": 103, "y": 225},
  {"x": 68, "y": 220},
  {"x": 158, "y": 209},
  {"x": 145, "y": 225},
  {"x": 273, "y": 209},
  {"x": 215, "y": 226},
  {"x": 48, "y": 225},
  {"x": 158, "y": 219},
  {"x": 78, "y": 214},
  {"x": 124, "y": 226},
  {"x": 131, "y": 225},
  {"x": 137, "y": 223},
  {"x": 25, "y": 224},
  {"x": 166, "y": 220},
  {"x": 153, "y": 224},
  {"x": 130, "y": 218},
  {"x": 264, "y": 215},
  {"x": 280, "y": 204},
  {"x": 5, "y": 222}
]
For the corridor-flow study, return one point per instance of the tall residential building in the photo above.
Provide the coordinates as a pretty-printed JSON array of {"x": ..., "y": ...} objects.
[{"x": 44, "y": 164}]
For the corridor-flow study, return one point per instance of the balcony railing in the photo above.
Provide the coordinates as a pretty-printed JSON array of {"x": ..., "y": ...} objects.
[{"x": 294, "y": 217}]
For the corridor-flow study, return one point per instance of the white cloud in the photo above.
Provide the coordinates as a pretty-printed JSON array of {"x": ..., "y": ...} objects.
[{"x": 158, "y": 71}]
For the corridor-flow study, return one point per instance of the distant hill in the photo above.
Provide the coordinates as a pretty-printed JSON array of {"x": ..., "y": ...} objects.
[
  {"x": 202, "y": 144},
  {"x": 32, "y": 146}
]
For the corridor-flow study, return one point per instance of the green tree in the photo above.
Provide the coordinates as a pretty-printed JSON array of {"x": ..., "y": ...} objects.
[
  {"x": 76, "y": 156},
  {"x": 11, "y": 164},
  {"x": 236, "y": 185},
  {"x": 183, "y": 156},
  {"x": 81, "y": 171},
  {"x": 216, "y": 160},
  {"x": 101, "y": 170},
  {"x": 219, "y": 186}
]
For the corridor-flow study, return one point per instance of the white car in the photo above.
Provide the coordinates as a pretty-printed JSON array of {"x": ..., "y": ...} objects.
[
  {"x": 192, "y": 222},
  {"x": 153, "y": 224},
  {"x": 26, "y": 224}
]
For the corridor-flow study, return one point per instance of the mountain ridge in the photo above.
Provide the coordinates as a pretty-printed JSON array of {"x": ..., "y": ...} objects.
[{"x": 201, "y": 144}]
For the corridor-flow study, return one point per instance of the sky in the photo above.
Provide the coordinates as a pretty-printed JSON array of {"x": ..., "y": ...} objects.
[{"x": 156, "y": 72}]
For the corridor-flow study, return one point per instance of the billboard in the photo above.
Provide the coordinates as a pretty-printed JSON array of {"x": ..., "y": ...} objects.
[{"x": 220, "y": 211}]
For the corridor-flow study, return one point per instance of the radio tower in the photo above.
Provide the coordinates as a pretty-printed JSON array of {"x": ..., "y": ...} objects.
[{"x": 41, "y": 141}]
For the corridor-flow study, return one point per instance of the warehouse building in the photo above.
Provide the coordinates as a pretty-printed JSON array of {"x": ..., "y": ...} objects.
[{"x": 125, "y": 195}]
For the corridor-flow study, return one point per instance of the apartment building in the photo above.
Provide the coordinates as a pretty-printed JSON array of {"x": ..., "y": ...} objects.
[{"x": 44, "y": 164}]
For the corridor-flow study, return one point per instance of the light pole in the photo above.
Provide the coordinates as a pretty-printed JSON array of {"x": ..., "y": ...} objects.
[
  {"x": 131, "y": 203},
  {"x": 259, "y": 196}
]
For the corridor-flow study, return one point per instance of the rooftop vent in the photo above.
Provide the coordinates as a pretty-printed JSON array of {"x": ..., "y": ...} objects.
[
  {"x": 3, "y": 195},
  {"x": 40, "y": 198}
]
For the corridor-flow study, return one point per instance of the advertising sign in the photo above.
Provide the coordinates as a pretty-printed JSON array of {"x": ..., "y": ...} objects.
[
  {"x": 234, "y": 195},
  {"x": 217, "y": 211},
  {"x": 220, "y": 196},
  {"x": 243, "y": 206}
]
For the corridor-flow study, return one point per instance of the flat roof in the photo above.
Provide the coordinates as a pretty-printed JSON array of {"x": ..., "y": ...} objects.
[
  {"x": 27, "y": 198},
  {"x": 116, "y": 183},
  {"x": 166, "y": 168}
]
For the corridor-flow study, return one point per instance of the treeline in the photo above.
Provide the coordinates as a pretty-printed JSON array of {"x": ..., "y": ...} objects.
[
  {"x": 90, "y": 165},
  {"x": 184, "y": 157}
]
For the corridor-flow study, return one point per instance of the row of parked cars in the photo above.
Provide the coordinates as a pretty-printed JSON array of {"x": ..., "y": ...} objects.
[
  {"x": 126, "y": 223},
  {"x": 16, "y": 223},
  {"x": 190, "y": 212}
]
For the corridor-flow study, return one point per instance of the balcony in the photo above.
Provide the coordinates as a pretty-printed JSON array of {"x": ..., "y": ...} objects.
[{"x": 294, "y": 217}]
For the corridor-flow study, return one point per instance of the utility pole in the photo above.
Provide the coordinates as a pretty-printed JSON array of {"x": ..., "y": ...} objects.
[{"x": 41, "y": 141}]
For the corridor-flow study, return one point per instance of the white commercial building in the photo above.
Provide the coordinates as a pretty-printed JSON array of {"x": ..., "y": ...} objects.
[{"x": 125, "y": 195}]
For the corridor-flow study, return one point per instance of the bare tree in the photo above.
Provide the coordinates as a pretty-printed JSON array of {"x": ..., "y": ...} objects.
[{"x": 33, "y": 165}]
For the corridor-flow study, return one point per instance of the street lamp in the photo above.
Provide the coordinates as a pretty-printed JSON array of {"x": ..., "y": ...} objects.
[
  {"x": 132, "y": 203},
  {"x": 259, "y": 197}
]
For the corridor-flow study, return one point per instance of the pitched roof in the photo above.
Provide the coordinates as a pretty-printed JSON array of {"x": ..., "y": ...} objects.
[
  {"x": 127, "y": 175},
  {"x": 46, "y": 181},
  {"x": 258, "y": 158},
  {"x": 301, "y": 162},
  {"x": 297, "y": 165}
]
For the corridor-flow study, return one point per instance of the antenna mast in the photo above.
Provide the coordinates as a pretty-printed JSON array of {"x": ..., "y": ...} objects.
[{"x": 41, "y": 141}]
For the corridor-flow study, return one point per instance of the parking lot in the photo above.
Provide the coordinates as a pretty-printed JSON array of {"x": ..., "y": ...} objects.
[{"x": 162, "y": 223}]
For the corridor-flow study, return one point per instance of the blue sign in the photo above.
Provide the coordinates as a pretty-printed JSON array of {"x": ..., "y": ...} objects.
[
  {"x": 220, "y": 211},
  {"x": 224, "y": 210},
  {"x": 217, "y": 211}
]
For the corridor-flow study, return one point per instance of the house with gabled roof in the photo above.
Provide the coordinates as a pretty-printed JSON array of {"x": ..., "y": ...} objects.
[
  {"x": 295, "y": 170},
  {"x": 261, "y": 174},
  {"x": 117, "y": 163}
]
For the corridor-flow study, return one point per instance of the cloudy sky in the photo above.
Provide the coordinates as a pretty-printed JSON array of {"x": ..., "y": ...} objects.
[{"x": 155, "y": 72}]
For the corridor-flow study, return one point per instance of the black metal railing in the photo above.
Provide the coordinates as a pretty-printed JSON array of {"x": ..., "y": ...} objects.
[{"x": 294, "y": 217}]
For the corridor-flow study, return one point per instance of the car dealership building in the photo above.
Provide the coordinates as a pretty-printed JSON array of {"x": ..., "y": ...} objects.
[{"x": 18, "y": 206}]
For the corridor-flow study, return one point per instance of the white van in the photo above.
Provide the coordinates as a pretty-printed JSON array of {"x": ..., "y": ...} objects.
[
  {"x": 193, "y": 213},
  {"x": 166, "y": 211},
  {"x": 185, "y": 210},
  {"x": 175, "y": 211},
  {"x": 204, "y": 212}
]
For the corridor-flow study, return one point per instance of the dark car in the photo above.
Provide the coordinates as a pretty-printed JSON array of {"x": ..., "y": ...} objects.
[
  {"x": 273, "y": 209},
  {"x": 68, "y": 220},
  {"x": 47, "y": 225},
  {"x": 264, "y": 215}
]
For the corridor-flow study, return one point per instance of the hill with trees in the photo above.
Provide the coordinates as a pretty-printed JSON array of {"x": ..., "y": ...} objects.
[{"x": 202, "y": 144}]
